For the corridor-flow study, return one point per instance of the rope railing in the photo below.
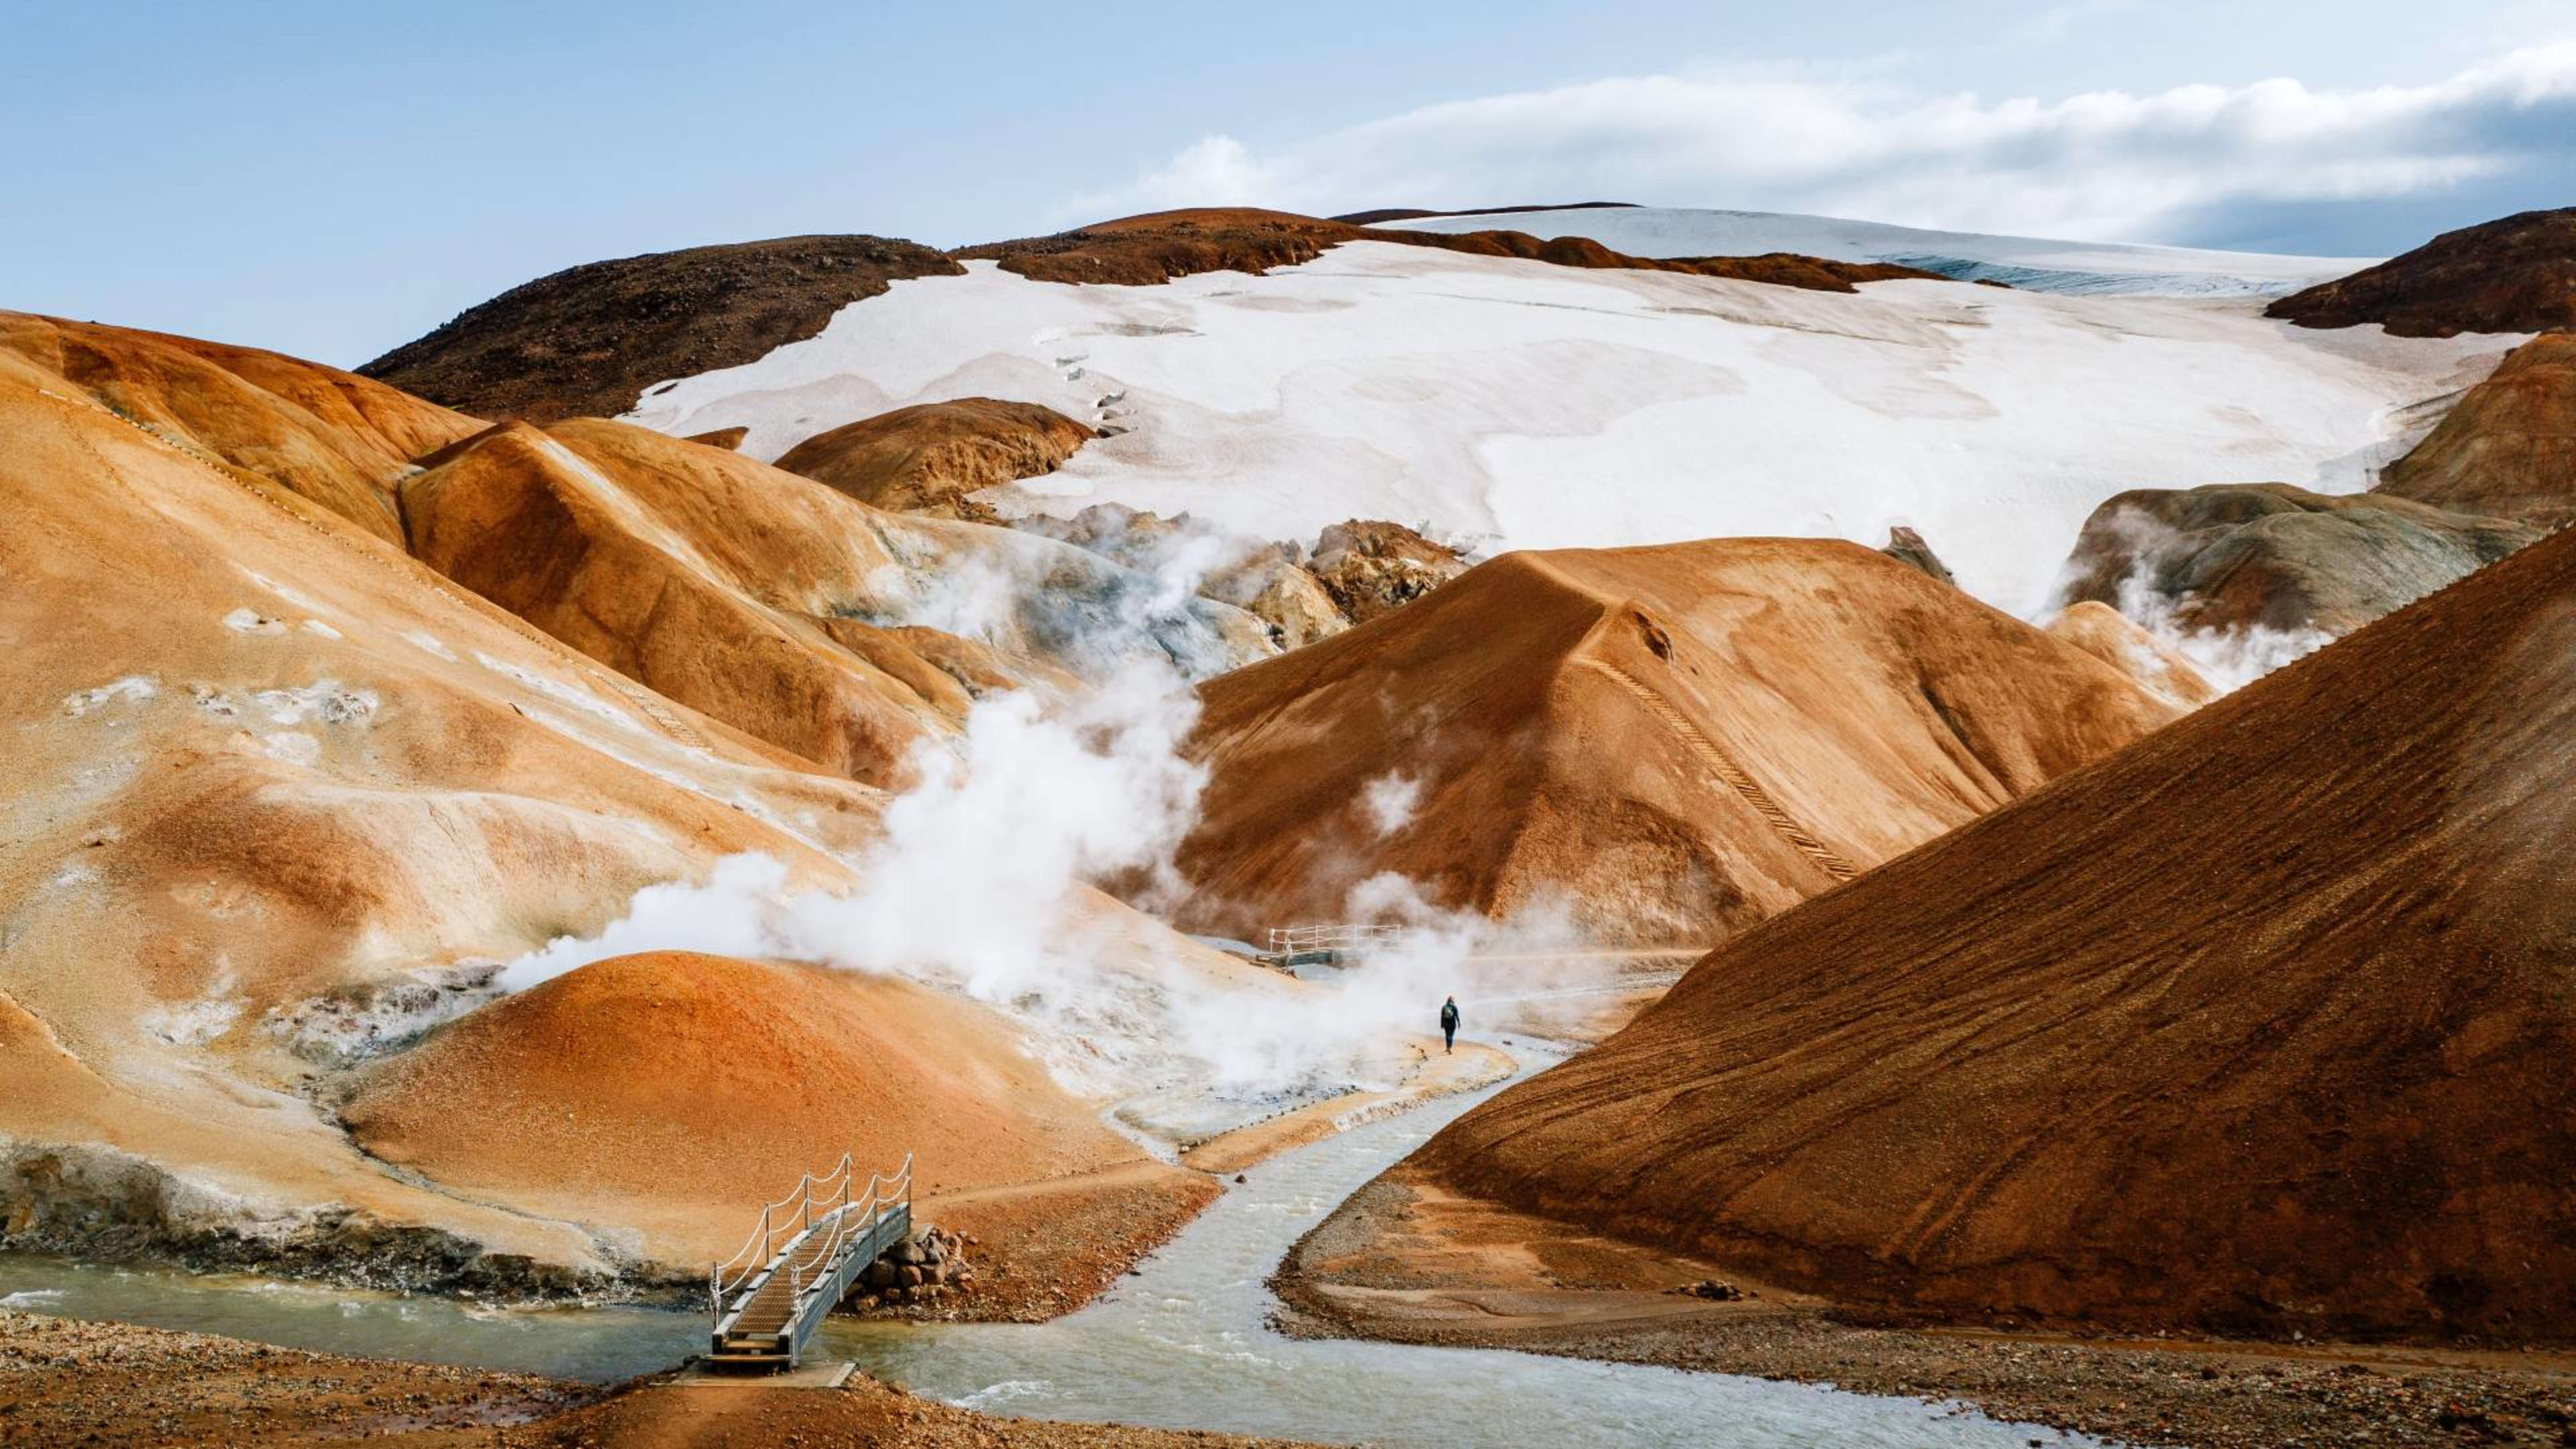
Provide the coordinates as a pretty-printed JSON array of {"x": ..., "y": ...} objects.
[
  {"x": 1297, "y": 940},
  {"x": 828, "y": 1200}
]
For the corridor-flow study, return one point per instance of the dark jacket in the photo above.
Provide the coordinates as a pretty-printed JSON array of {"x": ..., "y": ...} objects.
[{"x": 1449, "y": 1016}]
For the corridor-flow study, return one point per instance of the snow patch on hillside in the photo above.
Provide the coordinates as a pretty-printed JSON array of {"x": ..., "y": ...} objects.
[
  {"x": 1508, "y": 403},
  {"x": 2034, "y": 263}
]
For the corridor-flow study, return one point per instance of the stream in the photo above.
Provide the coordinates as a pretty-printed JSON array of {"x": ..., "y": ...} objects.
[{"x": 1182, "y": 1345}]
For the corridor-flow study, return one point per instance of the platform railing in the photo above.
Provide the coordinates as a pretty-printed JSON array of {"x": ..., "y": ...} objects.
[{"x": 1305, "y": 940}]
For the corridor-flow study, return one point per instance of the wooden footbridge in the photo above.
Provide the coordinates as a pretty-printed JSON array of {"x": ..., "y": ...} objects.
[{"x": 768, "y": 1298}]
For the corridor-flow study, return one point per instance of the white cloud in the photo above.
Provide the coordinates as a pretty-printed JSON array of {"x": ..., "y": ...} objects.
[{"x": 2105, "y": 165}]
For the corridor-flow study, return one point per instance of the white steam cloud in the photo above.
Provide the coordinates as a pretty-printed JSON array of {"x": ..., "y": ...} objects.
[
  {"x": 981, "y": 884},
  {"x": 2229, "y": 659},
  {"x": 1391, "y": 799}
]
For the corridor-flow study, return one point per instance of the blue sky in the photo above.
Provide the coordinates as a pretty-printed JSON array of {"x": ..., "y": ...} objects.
[{"x": 333, "y": 180}]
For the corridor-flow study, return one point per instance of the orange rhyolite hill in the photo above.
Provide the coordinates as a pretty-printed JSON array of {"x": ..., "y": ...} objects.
[
  {"x": 2262, "y": 1024},
  {"x": 1675, "y": 741}
]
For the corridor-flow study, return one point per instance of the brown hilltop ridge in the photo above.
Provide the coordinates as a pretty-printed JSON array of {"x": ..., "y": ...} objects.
[
  {"x": 2508, "y": 447},
  {"x": 2260, "y": 1025},
  {"x": 589, "y": 339},
  {"x": 2513, "y": 274},
  {"x": 933, "y": 457},
  {"x": 1158, "y": 246},
  {"x": 1677, "y": 741}
]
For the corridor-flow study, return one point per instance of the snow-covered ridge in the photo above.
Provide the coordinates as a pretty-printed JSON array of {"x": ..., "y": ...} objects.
[
  {"x": 1513, "y": 403},
  {"x": 2033, "y": 263}
]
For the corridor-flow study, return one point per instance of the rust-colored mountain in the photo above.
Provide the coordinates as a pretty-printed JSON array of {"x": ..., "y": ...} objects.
[
  {"x": 589, "y": 339},
  {"x": 2509, "y": 447},
  {"x": 931, "y": 457},
  {"x": 674, "y": 1092},
  {"x": 332, "y": 437},
  {"x": 2260, "y": 1025},
  {"x": 282, "y": 795},
  {"x": 2514, "y": 274},
  {"x": 1675, "y": 741},
  {"x": 1156, "y": 247}
]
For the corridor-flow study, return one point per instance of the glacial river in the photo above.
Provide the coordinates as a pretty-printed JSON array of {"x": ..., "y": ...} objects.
[{"x": 1181, "y": 1345}]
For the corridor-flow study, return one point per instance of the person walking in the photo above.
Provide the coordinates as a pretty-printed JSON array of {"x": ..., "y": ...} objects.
[{"x": 1449, "y": 1024}]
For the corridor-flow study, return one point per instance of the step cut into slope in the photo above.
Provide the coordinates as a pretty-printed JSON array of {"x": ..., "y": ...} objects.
[
  {"x": 1675, "y": 742},
  {"x": 589, "y": 339},
  {"x": 2262, "y": 1024},
  {"x": 932, "y": 457},
  {"x": 2514, "y": 274},
  {"x": 676, "y": 1092},
  {"x": 2509, "y": 447}
]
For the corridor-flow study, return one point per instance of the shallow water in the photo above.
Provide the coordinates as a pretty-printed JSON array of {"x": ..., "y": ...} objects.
[
  {"x": 598, "y": 1345},
  {"x": 1182, "y": 1345}
]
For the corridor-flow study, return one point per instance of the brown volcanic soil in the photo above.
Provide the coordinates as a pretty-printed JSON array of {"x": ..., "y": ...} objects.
[
  {"x": 2235, "y": 555},
  {"x": 588, "y": 340},
  {"x": 1405, "y": 1259},
  {"x": 929, "y": 458},
  {"x": 2509, "y": 447},
  {"x": 1570, "y": 721},
  {"x": 675, "y": 1092},
  {"x": 2515, "y": 274},
  {"x": 1156, "y": 247},
  {"x": 2260, "y": 1025}
]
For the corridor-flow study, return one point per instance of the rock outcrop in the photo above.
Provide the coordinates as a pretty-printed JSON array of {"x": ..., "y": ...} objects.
[
  {"x": 2237, "y": 556},
  {"x": 2258, "y": 1027},
  {"x": 2514, "y": 274},
  {"x": 2508, "y": 449},
  {"x": 932, "y": 458},
  {"x": 1371, "y": 567},
  {"x": 1908, "y": 548},
  {"x": 1669, "y": 743},
  {"x": 587, "y": 341}
]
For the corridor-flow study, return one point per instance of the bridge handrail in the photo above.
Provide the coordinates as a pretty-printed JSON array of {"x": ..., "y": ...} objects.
[
  {"x": 761, "y": 1248},
  {"x": 1293, "y": 940},
  {"x": 844, "y": 1214}
]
